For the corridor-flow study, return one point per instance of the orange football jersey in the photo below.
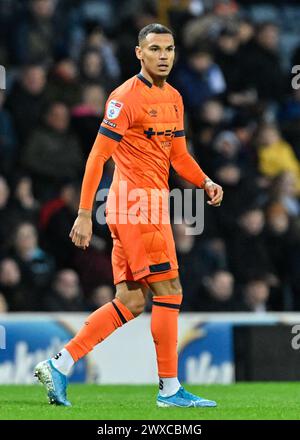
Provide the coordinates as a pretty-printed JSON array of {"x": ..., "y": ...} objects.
[{"x": 143, "y": 132}]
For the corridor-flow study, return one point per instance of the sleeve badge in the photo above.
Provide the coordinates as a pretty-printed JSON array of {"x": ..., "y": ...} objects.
[{"x": 113, "y": 109}]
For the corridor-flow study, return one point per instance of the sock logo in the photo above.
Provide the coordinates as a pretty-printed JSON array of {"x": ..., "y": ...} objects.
[
  {"x": 57, "y": 356},
  {"x": 161, "y": 384}
]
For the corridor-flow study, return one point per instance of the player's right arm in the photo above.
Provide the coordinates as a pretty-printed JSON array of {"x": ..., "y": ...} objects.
[
  {"x": 102, "y": 150},
  {"x": 113, "y": 126}
]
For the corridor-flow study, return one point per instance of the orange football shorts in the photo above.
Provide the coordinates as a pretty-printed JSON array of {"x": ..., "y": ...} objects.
[{"x": 142, "y": 252}]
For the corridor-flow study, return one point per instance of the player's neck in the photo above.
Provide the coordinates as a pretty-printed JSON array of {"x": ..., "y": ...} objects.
[{"x": 159, "y": 82}]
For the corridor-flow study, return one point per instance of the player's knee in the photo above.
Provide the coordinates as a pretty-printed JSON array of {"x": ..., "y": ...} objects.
[
  {"x": 135, "y": 302},
  {"x": 137, "y": 308},
  {"x": 167, "y": 287},
  {"x": 135, "y": 305},
  {"x": 176, "y": 287}
]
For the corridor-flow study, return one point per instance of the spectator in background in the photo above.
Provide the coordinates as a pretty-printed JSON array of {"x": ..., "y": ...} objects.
[
  {"x": 56, "y": 219},
  {"x": 212, "y": 115},
  {"x": 52, "y": 153},
  {"x": 256, "y": 294},
  {"x": 275, "y": 155},
  {"x": 283, "y": 244},
  {"x": 87, "y": 115},
  {"x": 190, "y": 260},
  {"x": 217, "y": 293},
  {"x": 198, "y": 78},
  {"x": 246, "y": 248},
  {"x": 8, "y": 141},
  {"x": 283, "y": 190},
  {"x": 37, "y": 267},
  {"x": 227, "y": 151},
  {"x": 260, "y": 61},
  {"x": 12, "y": 287},
  {"x": 63, "y": 82},
  {"x": 37, "y": 33},
  {"x": 66, "y": 295},
  {"x": 25, "y": 206},
  {"x": 100, "y": 296},
  {"x": 243, "y": 125},
  {"x": 210, "y": 121},
  {"x": 282, "y": 234},
  {"x": 6, "y": 220},
  {"x": 94, "y": 265},
  {"x": 228, "y": 57},
  {"x": 207, "y": 26},
  {"x": 20, "y": 206},
  {"x": 196, "y": 260},
  {"x": 27, "y": 100},
  {"x": 231, "y": 166},
  {"x": 93, "y": 69},
  {"x": 96, "y": 39},
  {"x": 246, "y": 30}
]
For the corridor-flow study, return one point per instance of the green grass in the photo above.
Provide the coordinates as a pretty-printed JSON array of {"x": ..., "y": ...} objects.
[{"x": 121, "y": 402}]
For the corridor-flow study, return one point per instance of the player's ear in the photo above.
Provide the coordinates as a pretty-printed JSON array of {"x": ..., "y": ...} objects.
[{"x": 138, "y": 52}]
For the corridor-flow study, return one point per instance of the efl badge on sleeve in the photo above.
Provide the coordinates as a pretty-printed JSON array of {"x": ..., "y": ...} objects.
[{"x": 113, "y": 109}]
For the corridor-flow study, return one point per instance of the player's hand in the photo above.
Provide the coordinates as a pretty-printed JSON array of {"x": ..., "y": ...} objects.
[
  {"x": 81, "y": 232},
  {"x": 214, "y": 192}
]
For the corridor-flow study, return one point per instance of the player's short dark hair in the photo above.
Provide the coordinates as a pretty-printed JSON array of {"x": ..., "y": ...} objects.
[{"x": 154, "y": 28}]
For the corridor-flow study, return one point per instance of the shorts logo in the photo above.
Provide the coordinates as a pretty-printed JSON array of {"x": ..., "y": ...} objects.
[
  {"x": 139, "y": 271},
  {"x": 111, "y": 124},
  {"x": 113, "y": 109}
]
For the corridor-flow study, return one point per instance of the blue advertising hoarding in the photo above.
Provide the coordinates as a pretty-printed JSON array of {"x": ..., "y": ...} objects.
[
  {"x": 29, "y": 342},
  {"x": 206, "y": 354}
]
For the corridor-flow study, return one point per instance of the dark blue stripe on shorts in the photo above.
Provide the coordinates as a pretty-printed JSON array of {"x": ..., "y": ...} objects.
[{"x": 160, "y": 267}]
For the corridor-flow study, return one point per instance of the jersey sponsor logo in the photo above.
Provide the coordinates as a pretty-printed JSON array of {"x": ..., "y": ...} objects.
[
  {"x": 113, "y": 109},
  {"x": 111, "y": 124},
  {"x": 166, "y": 144},
  {"x": 150, "y": 132}
]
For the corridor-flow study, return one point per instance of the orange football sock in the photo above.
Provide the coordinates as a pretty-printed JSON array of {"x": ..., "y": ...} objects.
[
  {"x": 164, "y": 328},
  {"x": 99, "y": 325}
]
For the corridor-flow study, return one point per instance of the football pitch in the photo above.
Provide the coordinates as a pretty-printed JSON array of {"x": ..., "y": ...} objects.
[{"x": 251, "y": 401}]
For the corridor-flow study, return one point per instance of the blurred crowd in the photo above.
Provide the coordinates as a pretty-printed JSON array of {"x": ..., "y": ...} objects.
[{"x": 233, "y": 69}]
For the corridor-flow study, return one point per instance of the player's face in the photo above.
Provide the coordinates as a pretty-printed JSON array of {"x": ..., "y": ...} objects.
[{"x": 156, "y": 53}]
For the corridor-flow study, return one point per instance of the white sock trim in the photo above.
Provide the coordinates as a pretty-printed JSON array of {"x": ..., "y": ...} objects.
[
  {"x": 63, "y": 361},
  {"x": 168, "y": 386}
]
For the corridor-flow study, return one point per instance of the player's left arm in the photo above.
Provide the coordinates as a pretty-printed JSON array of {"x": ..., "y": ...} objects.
[{"x": 186, "y": 166}]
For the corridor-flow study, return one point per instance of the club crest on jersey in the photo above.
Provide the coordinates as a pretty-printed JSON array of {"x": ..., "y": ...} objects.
[{"x": 113, "y": 109}]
